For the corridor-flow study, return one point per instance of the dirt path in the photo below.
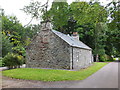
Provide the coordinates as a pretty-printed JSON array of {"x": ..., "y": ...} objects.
[{"x": 107, "y": 77}]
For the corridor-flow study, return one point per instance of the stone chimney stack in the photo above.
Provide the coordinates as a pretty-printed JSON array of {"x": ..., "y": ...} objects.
[
  {"x": 75, "y": 35},
  {"x": 46, "y": 26},
  {"x": 45, "y": 32}
]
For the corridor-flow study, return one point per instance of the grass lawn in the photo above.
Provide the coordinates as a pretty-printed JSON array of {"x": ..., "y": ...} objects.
[{"x": 52, "y": 75}]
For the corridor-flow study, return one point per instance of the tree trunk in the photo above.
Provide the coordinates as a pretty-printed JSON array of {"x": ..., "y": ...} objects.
[{"x": 97, "y": 58}]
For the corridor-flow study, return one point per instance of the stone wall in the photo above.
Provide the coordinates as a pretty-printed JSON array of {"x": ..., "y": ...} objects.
[
  {"x": 48, "y": 51},
  {"x": 82, "y": 58}
]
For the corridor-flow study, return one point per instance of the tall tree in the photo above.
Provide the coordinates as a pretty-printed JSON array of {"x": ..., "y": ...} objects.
[
  {"x": 96, "y": 15},
  {"x": 15, "y": 36},
  {"x": 59, "y": 14},
  {"x": 113, "y": 41}
]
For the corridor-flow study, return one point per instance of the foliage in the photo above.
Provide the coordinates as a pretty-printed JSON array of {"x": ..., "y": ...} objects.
[
  {"x": 15, "y": 36},
  {"x": 31, "y": 30},
  {"x": 12, "y": 60},
  {"x": 80, "y": 12},
  {"x": 10, "y": 24},
  {"x": 16, "y": 33},
  {"x": 85, "y": 13},
  {"x": 6, "y": 45},
  {"x": 114, "y": 27},
  {"x": 59, "y": 14},
  {"x": 19, "y": 50},
  {"x": 105, "y": 58},
  {"x": 1, "y": 62},
  {"x": 33, "y": 9},
  {"x": 52, "y": 75},
  {"x": 100, "y": 38}
]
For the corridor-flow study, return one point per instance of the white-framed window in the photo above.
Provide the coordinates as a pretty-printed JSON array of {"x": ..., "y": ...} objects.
[{"x": 77, "y": 57}]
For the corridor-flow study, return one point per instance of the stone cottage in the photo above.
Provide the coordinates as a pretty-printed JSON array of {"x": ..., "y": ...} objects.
[{"x": 53, "y": 49}]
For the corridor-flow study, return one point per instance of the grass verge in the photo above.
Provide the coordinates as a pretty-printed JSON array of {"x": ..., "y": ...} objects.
[{"x": 52, "y": 75}]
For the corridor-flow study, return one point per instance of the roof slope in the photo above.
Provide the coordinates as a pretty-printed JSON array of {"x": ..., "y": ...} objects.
[{"x": 71, "y": 41}]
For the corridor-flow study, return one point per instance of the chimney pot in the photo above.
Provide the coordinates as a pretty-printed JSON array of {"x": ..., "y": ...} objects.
[{"x": 75, "y": 35}]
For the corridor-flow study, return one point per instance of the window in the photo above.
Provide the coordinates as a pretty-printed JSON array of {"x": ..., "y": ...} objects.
[{"x": 77, "y": 57}]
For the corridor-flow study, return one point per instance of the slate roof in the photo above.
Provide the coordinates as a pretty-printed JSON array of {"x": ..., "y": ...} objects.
[{"x": 71, "y": 41}]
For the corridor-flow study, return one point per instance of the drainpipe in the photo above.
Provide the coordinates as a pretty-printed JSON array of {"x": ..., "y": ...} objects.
[{"x": 72, "y": 57}]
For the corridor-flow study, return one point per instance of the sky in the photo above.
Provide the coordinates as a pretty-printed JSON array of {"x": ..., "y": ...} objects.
[{"x": 12, "y": 7}]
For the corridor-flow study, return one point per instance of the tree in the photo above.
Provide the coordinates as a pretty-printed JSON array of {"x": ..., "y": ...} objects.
[
  {"x": 15, "y": 36},
  {"x": 91, "y": 14},
  {"x": 113, "y": 40},
  {"x": 6, "y": 45},
  {"x": 33, "y": 9},
  {"x": 80, "y": 12},
  {"x": 16, "y": 32},
  {"x": 59, "y": 14},
  {"x": 32, "y": 30},
  {"x": 8, "y": 21}
]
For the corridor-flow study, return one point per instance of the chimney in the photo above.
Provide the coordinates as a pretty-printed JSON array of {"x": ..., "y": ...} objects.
[
  {"x": 75, "y": 35},
  {"x": 46, "y": 25},
  {"x": 45, "y": 33}
]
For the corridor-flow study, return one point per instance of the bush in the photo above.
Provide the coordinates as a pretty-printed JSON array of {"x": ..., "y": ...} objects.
[
  {"x": 13, "y": 60},
  {"x": 104, "y": 58},
  {"x": 20, "y": 50},
  {"x": 1, "y": 62}
]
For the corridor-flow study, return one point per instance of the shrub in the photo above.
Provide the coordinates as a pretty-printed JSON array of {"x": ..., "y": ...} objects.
[
  {"x": 1, "y": 62},
  {"x": 109, "y": 58},
  {"x": 13, "y": 60},
  {"x": 20, "y": 50},
  {"x": 102, "y": 58},
  {"x": 105, "y": 57}
]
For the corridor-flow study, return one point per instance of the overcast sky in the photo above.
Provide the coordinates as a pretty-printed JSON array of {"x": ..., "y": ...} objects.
[{"x": 12, "y": 7}]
